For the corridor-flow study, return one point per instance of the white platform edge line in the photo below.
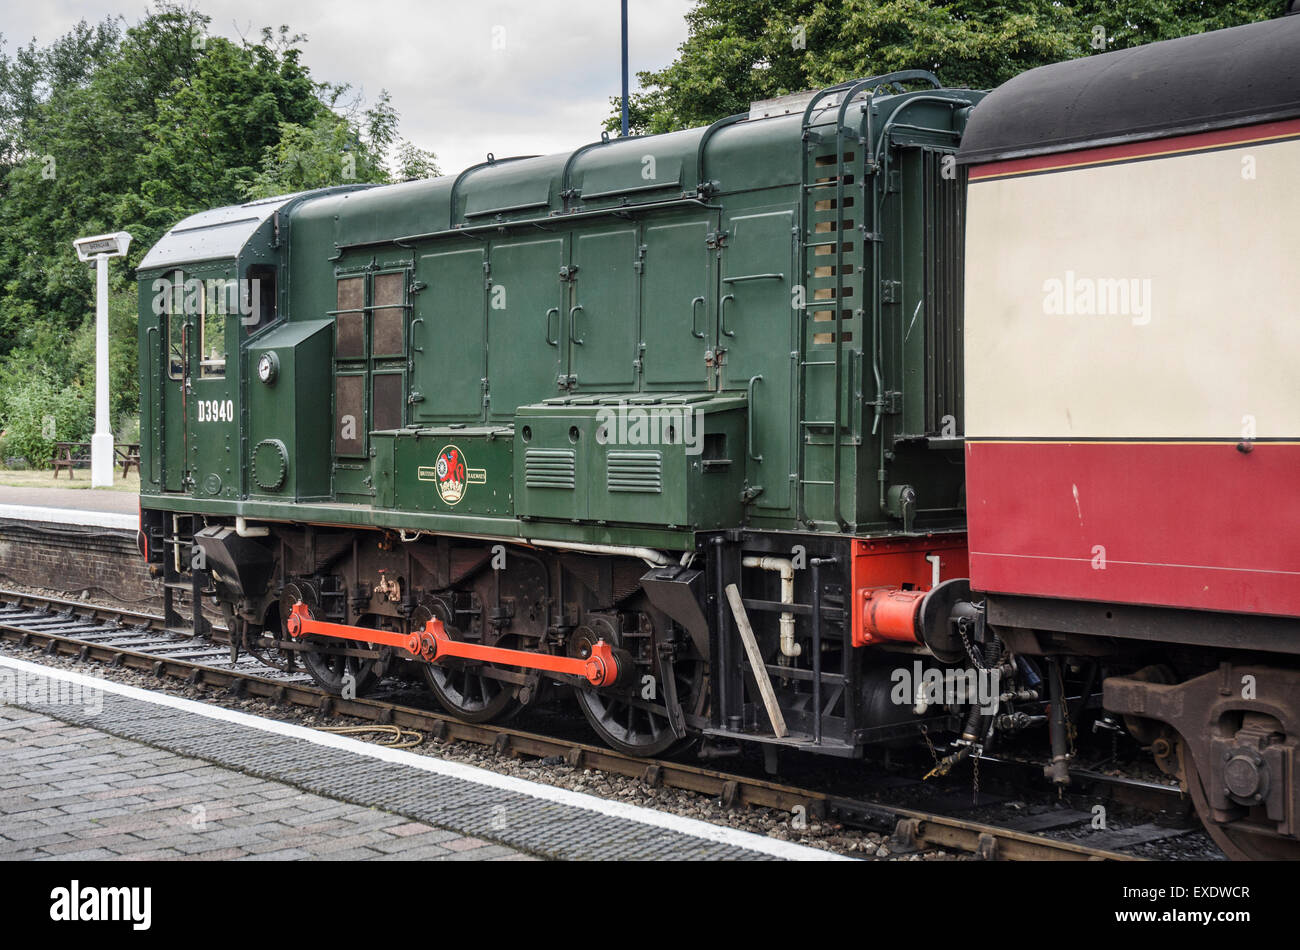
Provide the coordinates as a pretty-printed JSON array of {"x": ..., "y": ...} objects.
[
  {"x": 73, "y": 516},
  {"x": 646, "y": 816}
]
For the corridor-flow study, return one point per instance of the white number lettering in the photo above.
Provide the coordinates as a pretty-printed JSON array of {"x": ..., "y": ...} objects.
[{"x": 216, "y": 410}]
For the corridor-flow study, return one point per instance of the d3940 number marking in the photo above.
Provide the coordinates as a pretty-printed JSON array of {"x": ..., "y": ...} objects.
[{"x": 216, "y": 410}]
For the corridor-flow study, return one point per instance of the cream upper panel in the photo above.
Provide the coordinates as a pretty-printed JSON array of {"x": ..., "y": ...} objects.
[{"x": 1153, "y": 299}]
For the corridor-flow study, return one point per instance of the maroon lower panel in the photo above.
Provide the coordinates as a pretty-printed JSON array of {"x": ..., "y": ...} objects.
[{"x": 1180, "y": 524}]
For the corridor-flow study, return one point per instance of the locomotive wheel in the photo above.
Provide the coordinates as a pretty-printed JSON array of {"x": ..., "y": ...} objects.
[
  {"x": 622, "y": 717},
  {"x": 331, "y": 671},
  {"x": 460, "y": 690},
  {"x": 1236, "y": 840}
]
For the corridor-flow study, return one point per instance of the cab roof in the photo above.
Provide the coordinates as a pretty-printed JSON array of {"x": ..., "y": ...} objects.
[{"x": 218, "y": 234}]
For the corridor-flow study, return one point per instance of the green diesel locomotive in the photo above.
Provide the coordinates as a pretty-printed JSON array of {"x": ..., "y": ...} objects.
[{"x": 656, "y": 420}]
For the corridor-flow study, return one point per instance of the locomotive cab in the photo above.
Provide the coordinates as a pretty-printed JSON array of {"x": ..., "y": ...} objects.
[{"x": 211, "y": 294}]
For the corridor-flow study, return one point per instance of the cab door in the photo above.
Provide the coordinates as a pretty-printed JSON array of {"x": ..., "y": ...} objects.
[
  {"x": 212, "y": 425},
  {"x": 175, "y": 352}
]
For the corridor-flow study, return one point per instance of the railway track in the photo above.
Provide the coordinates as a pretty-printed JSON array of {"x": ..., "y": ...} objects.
[{"x": 137, "y": 641}]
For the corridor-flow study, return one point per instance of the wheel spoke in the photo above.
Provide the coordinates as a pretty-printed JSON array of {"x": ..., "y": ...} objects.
[
  {"x": 639, "y": 727},
  {"x": 462, "y": 691}
]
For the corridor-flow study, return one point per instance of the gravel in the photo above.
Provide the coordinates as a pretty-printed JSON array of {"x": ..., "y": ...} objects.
[{"x": 826, "y": 835}]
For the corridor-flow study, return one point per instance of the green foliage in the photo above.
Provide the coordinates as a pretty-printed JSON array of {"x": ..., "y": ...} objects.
[
  {"x": 211, "y": 130},
  {"x": 38, "y": 412},
  {"x": 339, "y": 147},
  {"x": 79, "y": 134},
  {"x": 134, "y": 127},
  {"x": 413, "y": 163},
  {"x": 326, "y": 152},
  {"x": 741, "y": 51},
  {"x": 128, "y": 427}
]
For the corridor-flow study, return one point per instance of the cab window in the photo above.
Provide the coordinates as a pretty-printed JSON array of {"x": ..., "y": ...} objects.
[
  {"x": 212, "y": 339},
  {"x": 258, "y": 301},
  {"x": 176, "y": 326}
]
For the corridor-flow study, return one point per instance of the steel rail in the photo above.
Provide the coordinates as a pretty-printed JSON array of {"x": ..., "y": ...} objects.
[{"x": 910, "y": 827}]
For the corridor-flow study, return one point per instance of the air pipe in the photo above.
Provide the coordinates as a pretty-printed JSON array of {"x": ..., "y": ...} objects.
[
  {"x": 244, "y": 531},
  {"x": 785, "y": 567}
]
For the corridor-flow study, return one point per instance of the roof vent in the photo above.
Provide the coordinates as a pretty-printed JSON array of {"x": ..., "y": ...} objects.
[{"x": 795, "y": 102}]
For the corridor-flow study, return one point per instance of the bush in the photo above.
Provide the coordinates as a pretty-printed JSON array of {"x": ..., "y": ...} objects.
[
  {"x": 7, "y": 458},
  {"x": 128, "y": 427},
  {"x": 74, "y": 354},
  {"x": 36, "y": 413}
]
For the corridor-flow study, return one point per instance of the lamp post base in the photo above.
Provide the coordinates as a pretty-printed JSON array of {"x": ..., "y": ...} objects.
[{"x": 101, "y": 460}]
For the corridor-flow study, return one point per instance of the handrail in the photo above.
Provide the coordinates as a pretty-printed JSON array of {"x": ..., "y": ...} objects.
[
  {"x": 908, "y": 103},
  {"x": 698, "y": 334},
  {"x": 741, "y": 280},
  {"x": 902, "y": 75},
  {"x": 750, "y": 414},
  {"x": 722, "y": 315},
  {"x": 471, "y": 230},
  {"x": 573, "y": 324},
  {"x": 708, "y": 134},
  {"x": 822, "y": 94},
  {"x": 155, "y": 457}
]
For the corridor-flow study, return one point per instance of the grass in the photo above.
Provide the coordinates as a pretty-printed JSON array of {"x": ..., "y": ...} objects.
[{"x": 38, "y": 478}]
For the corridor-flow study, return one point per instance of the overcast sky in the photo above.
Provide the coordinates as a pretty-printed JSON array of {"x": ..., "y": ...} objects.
[{"x": 471, "y": 77}]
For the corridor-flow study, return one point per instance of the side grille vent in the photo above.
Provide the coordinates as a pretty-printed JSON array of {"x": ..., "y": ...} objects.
[
  {"x": 550, "y": 468},
  {"x": 634, "y": 472}
]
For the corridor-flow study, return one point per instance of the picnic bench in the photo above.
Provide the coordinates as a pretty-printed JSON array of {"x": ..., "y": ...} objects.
[{"x": 74, "y": 455}]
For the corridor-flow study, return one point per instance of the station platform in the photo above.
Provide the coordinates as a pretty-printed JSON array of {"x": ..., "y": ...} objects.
[
  {"x": 74, "y": 541},
  {"x": 74, "y": 793},
  {"x": 62, "y": 498},
  {"x": 99, "y": 770}
]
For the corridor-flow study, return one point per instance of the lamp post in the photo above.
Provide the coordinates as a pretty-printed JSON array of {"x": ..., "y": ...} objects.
[
  {"x": 99, "y": 249},
  {"x": 624, "y": 116}
]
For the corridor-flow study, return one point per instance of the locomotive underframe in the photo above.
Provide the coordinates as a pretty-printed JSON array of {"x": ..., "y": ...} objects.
[{"x": 689, "y": 665}]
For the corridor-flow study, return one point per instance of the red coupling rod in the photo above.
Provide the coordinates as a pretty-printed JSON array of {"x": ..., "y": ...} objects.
[{"x": 432, "y": 644}]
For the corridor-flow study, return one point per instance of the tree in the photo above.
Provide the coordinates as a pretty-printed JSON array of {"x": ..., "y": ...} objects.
[
  {"x": 135, "y": 127},
  {"x": 347, "y": 146},
  {"x": 212, "y": 130},
  {"x": 740, "y": 51},
  {"x": 327, "y": 151},
  {"x": 76, "y": 118},
  {"x": 414, "y": 163}
]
